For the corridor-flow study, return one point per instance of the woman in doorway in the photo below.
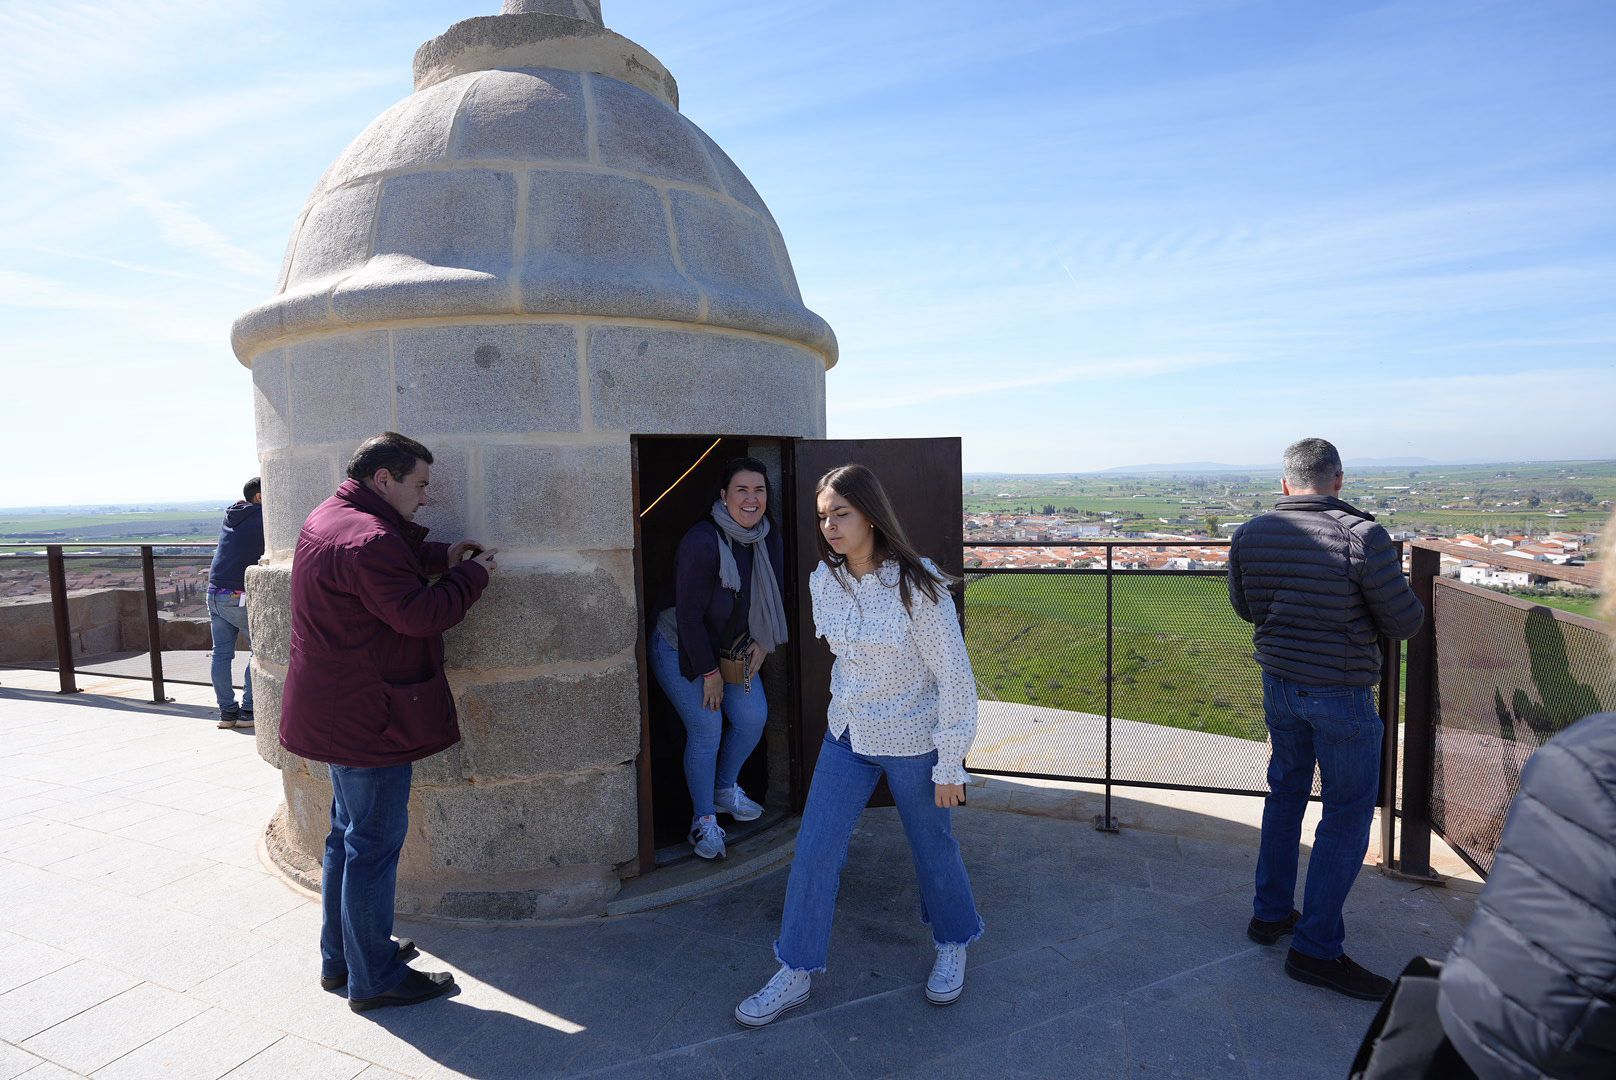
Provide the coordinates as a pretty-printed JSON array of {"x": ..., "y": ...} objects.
[
  {"x": 903, "y": 706},
  {"x": 725, "y": 601}
]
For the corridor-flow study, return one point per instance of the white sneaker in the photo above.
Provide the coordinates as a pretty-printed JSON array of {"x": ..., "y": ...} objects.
[
  {"x": 733, "y": 801},
  {"x": 707, "y": 838},
  {"x": 947, "y": 981},
  {"x": 787, "y": 990}
]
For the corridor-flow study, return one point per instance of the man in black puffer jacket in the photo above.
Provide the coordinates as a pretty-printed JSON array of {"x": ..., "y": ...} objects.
[{"x": 1322, "y": 583}]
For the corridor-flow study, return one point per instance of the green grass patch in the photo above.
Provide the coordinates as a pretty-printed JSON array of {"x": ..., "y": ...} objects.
[{"x": 1180, "y": 656}]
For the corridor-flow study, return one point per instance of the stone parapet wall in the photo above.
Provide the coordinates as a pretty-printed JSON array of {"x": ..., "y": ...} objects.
[{"x": 102, "y": 621}]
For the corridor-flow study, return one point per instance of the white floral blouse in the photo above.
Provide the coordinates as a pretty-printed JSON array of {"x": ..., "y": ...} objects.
[{"x": 901, "y": 684}]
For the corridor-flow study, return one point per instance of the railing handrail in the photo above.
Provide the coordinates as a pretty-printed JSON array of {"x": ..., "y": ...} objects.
[
  {"x": 1577, "y": 575},
  {"x": 118, "y": 544},
  {"x": 1096, "y": 542}
]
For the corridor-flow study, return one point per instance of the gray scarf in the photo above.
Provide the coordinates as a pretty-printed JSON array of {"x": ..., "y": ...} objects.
[{"x": 766, "y": 618}]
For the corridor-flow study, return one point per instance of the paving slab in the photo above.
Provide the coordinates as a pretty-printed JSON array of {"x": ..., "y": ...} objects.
[{"x": 143, "y": 937}]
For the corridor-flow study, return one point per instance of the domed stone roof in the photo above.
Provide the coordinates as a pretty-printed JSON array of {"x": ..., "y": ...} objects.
[{"x": 534, "y": 190}]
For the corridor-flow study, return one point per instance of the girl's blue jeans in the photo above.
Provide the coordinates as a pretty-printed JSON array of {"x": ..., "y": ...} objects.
[
  {"x": 842, "y": 784},
  {"x": 713, "y": 754}
]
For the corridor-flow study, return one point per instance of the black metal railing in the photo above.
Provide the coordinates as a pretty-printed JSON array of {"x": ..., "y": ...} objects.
[
  {"x": 1124, "y": 671},
  {"x": 1490, "y": 679},
  {"x": 57, "y": 558}
]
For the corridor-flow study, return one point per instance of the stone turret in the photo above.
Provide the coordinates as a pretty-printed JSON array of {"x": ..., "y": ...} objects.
[{"x": 529, "y": 260}]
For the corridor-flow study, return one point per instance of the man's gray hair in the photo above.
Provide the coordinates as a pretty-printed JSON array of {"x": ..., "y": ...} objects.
[{"x": 1311, "y": 464}]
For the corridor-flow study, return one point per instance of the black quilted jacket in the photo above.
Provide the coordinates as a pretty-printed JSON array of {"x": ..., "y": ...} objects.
[
  {"x": 1322, "y": 582},
  {"x": 1529, "y": 990}
]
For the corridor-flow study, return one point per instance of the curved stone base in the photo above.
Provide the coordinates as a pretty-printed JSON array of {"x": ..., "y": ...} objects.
[{"x": 556, "y": 895}]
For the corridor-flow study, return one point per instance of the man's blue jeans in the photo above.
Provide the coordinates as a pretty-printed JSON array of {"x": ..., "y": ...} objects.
[
  {"x": 369, "y": 818},
  {"x": 228, "y": 618},
  {"x": 1337, "y": 726},
  {"x": 843, "y": 782},
  {"x": 713, "y": 755}
]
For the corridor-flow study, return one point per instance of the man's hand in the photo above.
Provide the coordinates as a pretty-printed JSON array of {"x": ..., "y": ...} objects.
[
  {"x": 485, "y": 559},
  {"x": 712, "y": 692},
  {"x": 950, "y": 795},
  {"x": 754, "y": 663},
  {"x": 458, "y": 551}
]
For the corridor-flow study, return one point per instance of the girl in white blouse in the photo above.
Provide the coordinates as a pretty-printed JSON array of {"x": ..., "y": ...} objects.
[{"x": 903, "y": 706}]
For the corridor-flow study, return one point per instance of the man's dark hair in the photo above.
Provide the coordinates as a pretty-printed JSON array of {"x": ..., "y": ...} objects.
[
  {"x": 1312, "y": 464},
  {"x": 251, "y": 488},
  {"x": 391, "y": 451}
]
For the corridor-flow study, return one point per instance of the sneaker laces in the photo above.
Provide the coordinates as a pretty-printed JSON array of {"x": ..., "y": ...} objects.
[
  {"x": 707, "y": 828},
  {"x": 776, "y": 988},
  {"x": 948, "y": 962}
]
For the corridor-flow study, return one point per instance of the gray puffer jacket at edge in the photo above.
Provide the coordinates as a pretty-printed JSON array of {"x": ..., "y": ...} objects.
[
  {"x": 1322, "y": 583},
  {"x": 1529, "y": 989}
]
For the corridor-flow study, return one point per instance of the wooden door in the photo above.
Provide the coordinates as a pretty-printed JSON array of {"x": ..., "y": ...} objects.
[{"x": 923, "y": 478}]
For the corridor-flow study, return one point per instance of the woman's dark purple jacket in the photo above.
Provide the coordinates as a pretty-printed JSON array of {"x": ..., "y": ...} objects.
[
  {"x": 703, "y": 607},
  {"x": 365, "y": 684}
]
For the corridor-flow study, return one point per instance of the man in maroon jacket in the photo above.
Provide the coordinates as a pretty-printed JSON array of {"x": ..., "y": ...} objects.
[{"x": 365, "y": 692}]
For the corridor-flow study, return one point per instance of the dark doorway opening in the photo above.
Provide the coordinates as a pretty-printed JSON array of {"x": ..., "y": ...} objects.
[{"x": 676, "y": 480}]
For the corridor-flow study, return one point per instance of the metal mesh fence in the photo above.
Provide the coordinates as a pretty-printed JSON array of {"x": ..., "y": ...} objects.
[
  {"x": 1186, "y": 701},
  {"x": 1509, "y": 676}
]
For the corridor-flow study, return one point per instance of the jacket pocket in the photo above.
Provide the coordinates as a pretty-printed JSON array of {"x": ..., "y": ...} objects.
[{"x": 418, "y": 714}]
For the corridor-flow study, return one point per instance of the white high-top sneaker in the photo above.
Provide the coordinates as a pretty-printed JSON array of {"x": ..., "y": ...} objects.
[
  {"x": 947, "y": 981},
  {"x": 787, "y": 990}
]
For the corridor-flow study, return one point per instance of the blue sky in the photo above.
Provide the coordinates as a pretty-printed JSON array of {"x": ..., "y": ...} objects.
[{"x": 1078, "y": 234}]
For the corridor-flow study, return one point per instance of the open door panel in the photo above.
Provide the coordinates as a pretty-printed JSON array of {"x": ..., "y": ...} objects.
[{"x": 923, "y": 479}]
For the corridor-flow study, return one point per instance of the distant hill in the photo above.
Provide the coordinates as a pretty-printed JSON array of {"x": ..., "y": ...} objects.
[{"x": 1215, "y": 466}]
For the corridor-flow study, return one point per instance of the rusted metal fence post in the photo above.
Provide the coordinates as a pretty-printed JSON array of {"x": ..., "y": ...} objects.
[
  {"x": 1391, "y": 677},
  {"x": 154, "y": 629},
  {"x": 1106, "y": 822},
  {"x": 1419, "y": 737},
  {"x": 59, "y": 615}
]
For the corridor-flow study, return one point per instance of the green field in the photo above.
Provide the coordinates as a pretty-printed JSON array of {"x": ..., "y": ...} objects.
[
  {"x": 1181, "y": 657},
  {"x": 1577, "y": 605},
  {"x": 169, "y": 526}
]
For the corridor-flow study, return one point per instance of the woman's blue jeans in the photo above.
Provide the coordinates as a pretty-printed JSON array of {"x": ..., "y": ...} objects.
[
  {"x": 843, "y": 782},
  {"x": 713, "y": 755},
  {"x": 369, "y": 819},
  {"x": 1337, "y": 726}
]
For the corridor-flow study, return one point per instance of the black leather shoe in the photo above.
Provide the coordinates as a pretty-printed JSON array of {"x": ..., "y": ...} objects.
[
  {"x": 406, "y": 952},
  {"x": 1266, "y": 933},
  {"x": 1341, "y": 975},
  {"x": 418, "y": 986}
]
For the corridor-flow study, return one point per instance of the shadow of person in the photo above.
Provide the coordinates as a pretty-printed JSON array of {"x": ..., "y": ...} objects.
[{"x": 1526, "y": 722}]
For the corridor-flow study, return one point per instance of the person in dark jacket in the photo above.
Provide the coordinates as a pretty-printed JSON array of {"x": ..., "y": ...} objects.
[
  {"x": 1529, "y": 989},
  {"x": 241, "y": 544},
  {"x": 729, "y": 579},
  {"x": 1322, "y": 583},
  {"x": 365, "y": 692}
]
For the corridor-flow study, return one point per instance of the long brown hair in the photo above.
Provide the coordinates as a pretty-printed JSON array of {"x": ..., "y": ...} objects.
[{"x": 863, "y": 492}]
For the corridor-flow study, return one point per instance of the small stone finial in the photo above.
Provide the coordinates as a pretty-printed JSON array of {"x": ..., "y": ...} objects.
[{"x": 583, "y": 10}]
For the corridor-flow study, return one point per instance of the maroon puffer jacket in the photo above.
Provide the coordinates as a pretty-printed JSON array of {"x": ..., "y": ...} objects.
[{"x": 365, "y": 686}]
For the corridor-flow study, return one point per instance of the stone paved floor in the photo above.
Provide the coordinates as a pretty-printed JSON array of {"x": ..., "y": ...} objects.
[{"x": 141, "y": 937}]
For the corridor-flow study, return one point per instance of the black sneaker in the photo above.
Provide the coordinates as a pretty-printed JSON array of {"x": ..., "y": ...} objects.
[
  {"x": 406, "y": 952},
  {"x": 1266, "y": 933},
  {"x": 244, "y": 718},
  {"x": 1341, "y": 975},
  {"x": 228, "y": 718},
  {"x": 418, "y": 986}
]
